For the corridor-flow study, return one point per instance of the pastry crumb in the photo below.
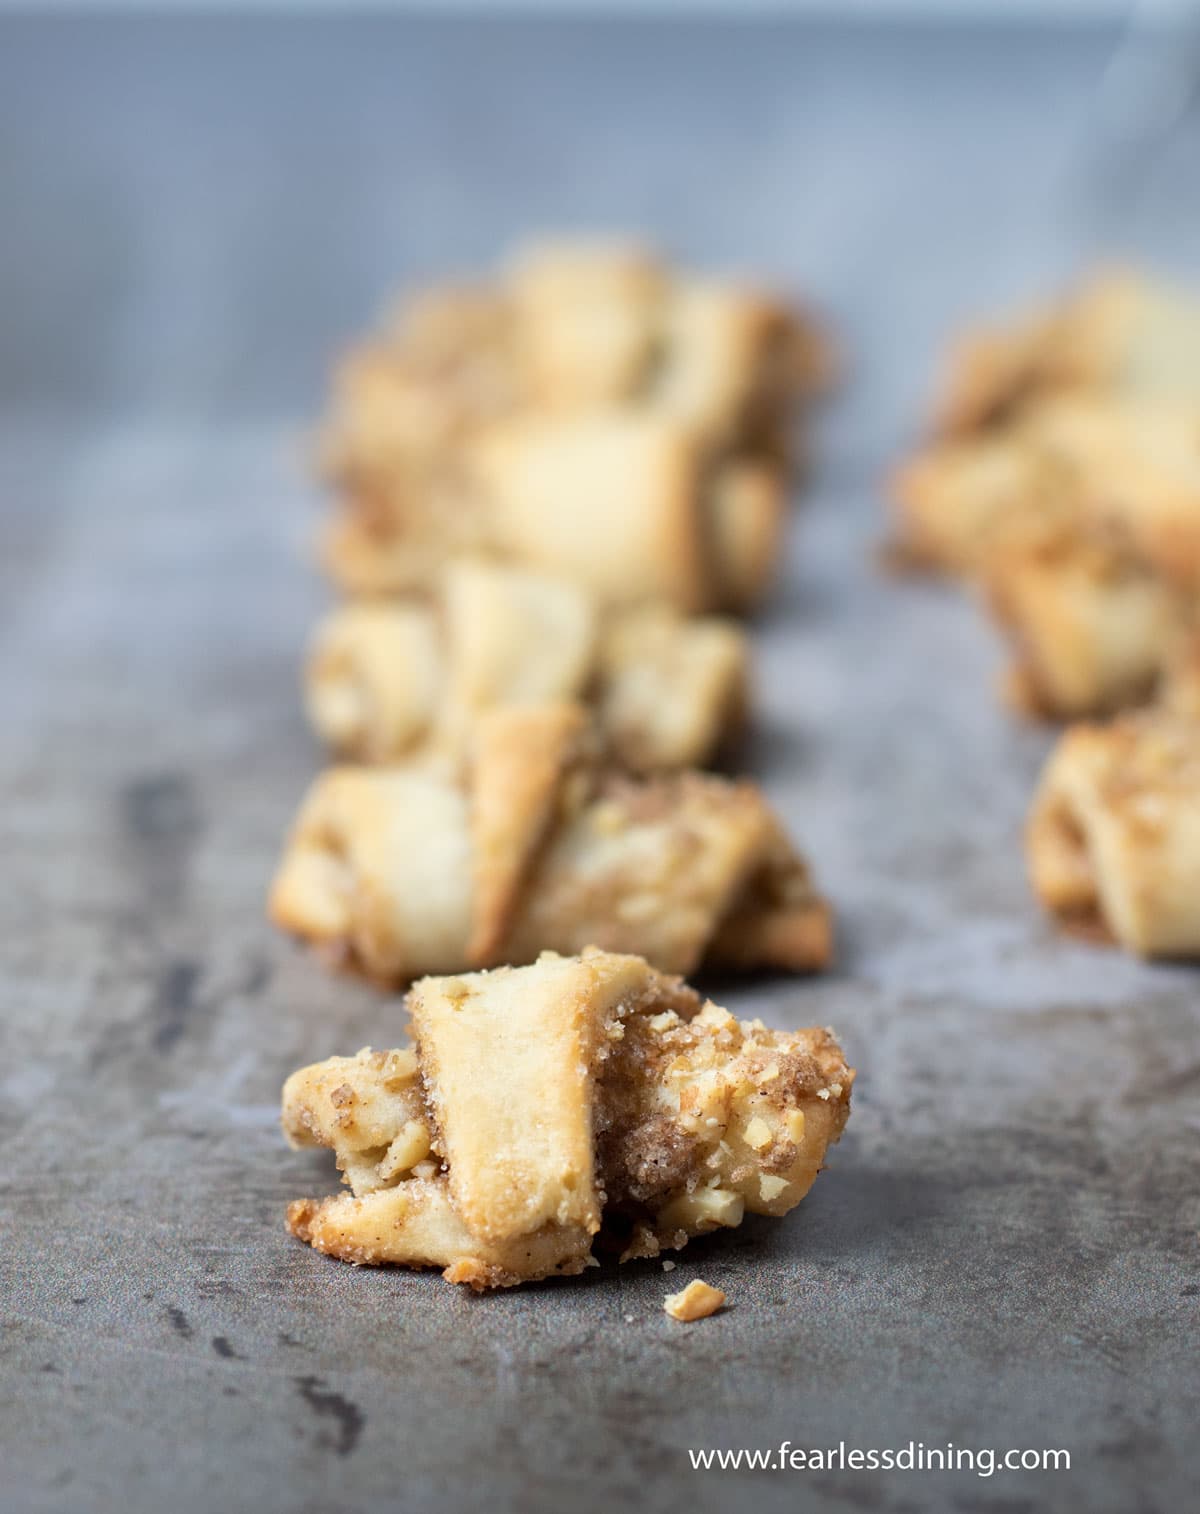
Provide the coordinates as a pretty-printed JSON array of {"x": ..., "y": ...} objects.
[
  {"x": 696, "y": 1301},
  {"x": 668, "y": 1266}
]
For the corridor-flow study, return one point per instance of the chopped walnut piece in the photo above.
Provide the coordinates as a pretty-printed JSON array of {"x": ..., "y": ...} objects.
[{"x": 696, "y": 1301}]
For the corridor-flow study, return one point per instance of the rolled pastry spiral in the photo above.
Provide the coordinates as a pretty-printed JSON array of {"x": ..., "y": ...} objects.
[
  {"x": 543, "y": 1107},
  {"x": 1068, "y": 464},
  {"x": 568, "y": 329},
  {"x": 1113, "y": 836},
  {"x": 1118, "y": 333},
  {"x": 1081, "y": 526},
  {"x": 590, "y": 413},
  {"x": 631, "y": 506},
  {"x": 408, "y": 870},
  {"x": 388, "y": 681}
]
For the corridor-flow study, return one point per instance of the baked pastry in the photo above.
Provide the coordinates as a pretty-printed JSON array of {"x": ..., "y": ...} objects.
[
  {"x": 955, "y": 500},
  {"x": 1120, "y": 333},
  {"x": 1067, "y": 464},
  {"x": 653, "y": 515},
  {"x": 571, "y": 327},
  {"x": 599, "y": 325},
  {"x": 586, "y": 322},
  {"x": 402, "y": 405},
  {"x": 537, "y": 1105},
  {"x": 591, "y": 413},
  {"x": 1114, "y": 834},
  {"x": 403, "y": 871},
  {"x": 1081, "y": 524},
  {"x": 386, "y": 681},
  {"x": 1179, "y": 687},
  {"x": 1089, "y": 623},
  {"x": 630, "y": 505},
  {"x": 1096, "y": 594}
]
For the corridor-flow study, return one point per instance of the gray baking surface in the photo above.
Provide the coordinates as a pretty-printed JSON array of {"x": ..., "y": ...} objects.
[{"x": 1003, "y": 1251}]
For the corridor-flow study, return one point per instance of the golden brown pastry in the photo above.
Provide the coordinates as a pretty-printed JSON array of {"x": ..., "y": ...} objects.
[
  {"x": 1096, "y": 599},
  {"x": 630, "y": 505},
  {"x": 373, "y": 680},
  {"x": 955, "y": 500},
  {"x": 403, "y": 405},
  {"x": 671, "y": 693},
  {"x": 1179, "y": 688},
  {"x": 611, "y": 324},
  {"x": 387, "y": 681},
  {"x": 540, "y": 1104},
  {"x": 592, "y": 413},
  {"x": 572, "y": 327},
  {"x": 403, "y": 871},
  {"x": 1138, "y": 471},
  {"x": 600, "y": 325},
  {"x": 1081, "y": 524},
  {"x": 736, "y": 365},
  {"x": 1120, "y": 333},
  {"x": 1088, "y": 622},
  {"x": 634, "y": 508},
  {"x": 1067, "y": 464},
  {"x": 586, "y": 322},
  {"x": 1114, "y": 834}
]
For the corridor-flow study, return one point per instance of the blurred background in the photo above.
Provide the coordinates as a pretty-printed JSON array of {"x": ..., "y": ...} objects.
[{"x": 200, "y": 203}]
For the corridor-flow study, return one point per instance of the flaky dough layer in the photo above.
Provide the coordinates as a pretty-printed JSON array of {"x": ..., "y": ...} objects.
[
  {"x": 1117, "y": 333},
  {"x": 389, "y": 681},
  {"x": 1080, "y": 525},
  {"x": 539, "y": 1106},
  {"x": 1114, "y": 833},
  {"x": 403, "y": 871},
  {"x": 592, "y": 413}
]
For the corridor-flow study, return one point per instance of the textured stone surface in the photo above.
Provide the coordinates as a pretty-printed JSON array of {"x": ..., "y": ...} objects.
[{"x": 1003, "y": 1252}]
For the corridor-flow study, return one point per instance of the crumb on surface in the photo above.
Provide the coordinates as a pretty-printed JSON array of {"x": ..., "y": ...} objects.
[{"x": 696, "y": 1301}]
